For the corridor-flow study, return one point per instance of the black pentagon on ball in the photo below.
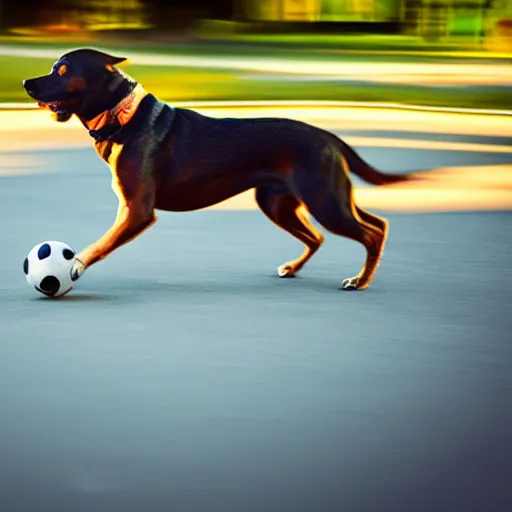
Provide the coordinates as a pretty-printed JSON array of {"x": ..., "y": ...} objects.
[
  {"x": 25, "y": 266},
  {"x": 50, "y": 285},
  {"x": 68, "y": 254},
  {"x": 44, "y": 251}
]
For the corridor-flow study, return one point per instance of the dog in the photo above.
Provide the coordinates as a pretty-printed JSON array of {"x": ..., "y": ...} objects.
[{"x": 175, "y": 159}]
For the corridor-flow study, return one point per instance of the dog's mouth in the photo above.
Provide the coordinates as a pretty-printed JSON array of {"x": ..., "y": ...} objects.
[
  {"x": 54, "y": 106},
  {"x": 59, "y": 110}
]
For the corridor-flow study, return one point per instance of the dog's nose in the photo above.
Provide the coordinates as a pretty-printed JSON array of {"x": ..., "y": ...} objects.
[{"x": 27, "y": 87}]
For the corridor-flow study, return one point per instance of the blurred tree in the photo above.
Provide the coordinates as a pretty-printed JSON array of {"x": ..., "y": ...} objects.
[
  {"x": 15, "y": 13},
  {"x": 218, "y": 9},
  {"x": 180, "y": 14}
]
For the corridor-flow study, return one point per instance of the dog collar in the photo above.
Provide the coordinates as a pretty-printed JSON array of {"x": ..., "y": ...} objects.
[{"x": 105, "y": 124}]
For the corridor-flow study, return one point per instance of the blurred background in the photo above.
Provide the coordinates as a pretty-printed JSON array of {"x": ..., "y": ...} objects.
[
  {"x": 429, "y": 52},
  {"x": 182, "y": 374}
]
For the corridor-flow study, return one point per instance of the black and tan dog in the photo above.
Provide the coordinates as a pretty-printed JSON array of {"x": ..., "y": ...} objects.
[{"x": 175, "y": 159}]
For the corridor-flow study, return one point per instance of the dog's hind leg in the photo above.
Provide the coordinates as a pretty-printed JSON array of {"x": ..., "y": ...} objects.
[
  {"x": 374, "y": 255},
  {"x": 290, "y": 214},
  {"x": 370, "y": 218},
  {"x": 337, "y": 212},
  {"x": 378, "y": 222}
]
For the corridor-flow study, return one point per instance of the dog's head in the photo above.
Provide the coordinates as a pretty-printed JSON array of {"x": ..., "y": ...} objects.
[{"x": 81, "y": 82}]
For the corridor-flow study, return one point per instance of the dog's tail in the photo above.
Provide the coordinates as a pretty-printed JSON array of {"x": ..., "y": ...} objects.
[{"x": 365, "y": 171}]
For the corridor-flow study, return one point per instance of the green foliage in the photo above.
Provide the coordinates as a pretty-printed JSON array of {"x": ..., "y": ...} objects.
[{"x": 179, "y": 84}]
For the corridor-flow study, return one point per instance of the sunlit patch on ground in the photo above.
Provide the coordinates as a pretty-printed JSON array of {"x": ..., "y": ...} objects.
[
  {"x": 16, "y": 166},
  {"x": 454, "y": 189},
  {"x": 444, "y": 190},
  {"x": 479, "y": 187}
]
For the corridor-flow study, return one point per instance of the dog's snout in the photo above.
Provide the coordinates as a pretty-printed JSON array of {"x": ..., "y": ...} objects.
[{"x": 28, "y": 87}]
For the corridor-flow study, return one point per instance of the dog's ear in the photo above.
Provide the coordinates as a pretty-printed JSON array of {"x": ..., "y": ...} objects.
[
  {"x": 112, "y": 61},
  {"x": 115, "y": 60}
]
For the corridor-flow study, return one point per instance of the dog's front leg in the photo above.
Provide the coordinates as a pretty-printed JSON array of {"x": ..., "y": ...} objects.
[{"x": 133, "y": 217}]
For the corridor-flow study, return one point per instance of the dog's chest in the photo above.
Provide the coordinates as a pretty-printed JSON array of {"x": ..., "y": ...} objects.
[
  {"x": 131, "y": 167},
  {"x": 104, "y": 149},
  {"x": 112, "y": 154}
]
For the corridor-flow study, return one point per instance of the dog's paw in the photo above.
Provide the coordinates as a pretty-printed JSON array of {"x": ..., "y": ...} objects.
[
  {"x": 285, "y": 271},
  {"x": 350, "y": 284},
  {"x": 77, "y": 269}
]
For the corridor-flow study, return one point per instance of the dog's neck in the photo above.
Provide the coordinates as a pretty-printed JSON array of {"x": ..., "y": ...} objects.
[{"x": 117, "y": 116}]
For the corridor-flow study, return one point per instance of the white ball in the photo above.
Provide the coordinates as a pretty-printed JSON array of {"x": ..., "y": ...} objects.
[{"x": 48, "y": 268}]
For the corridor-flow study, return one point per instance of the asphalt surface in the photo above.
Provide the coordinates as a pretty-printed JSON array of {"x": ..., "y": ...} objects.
[{"x": 183, "y": 375}]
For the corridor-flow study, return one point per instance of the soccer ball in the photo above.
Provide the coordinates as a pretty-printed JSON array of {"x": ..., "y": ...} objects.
[{"x": 48, "y": 268}]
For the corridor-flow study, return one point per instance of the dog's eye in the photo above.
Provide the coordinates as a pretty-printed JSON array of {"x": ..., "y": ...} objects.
[{"x": 62, "y": 69}]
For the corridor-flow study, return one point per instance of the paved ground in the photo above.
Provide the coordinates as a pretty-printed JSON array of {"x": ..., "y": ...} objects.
[{"x": 182, "y": 375}]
